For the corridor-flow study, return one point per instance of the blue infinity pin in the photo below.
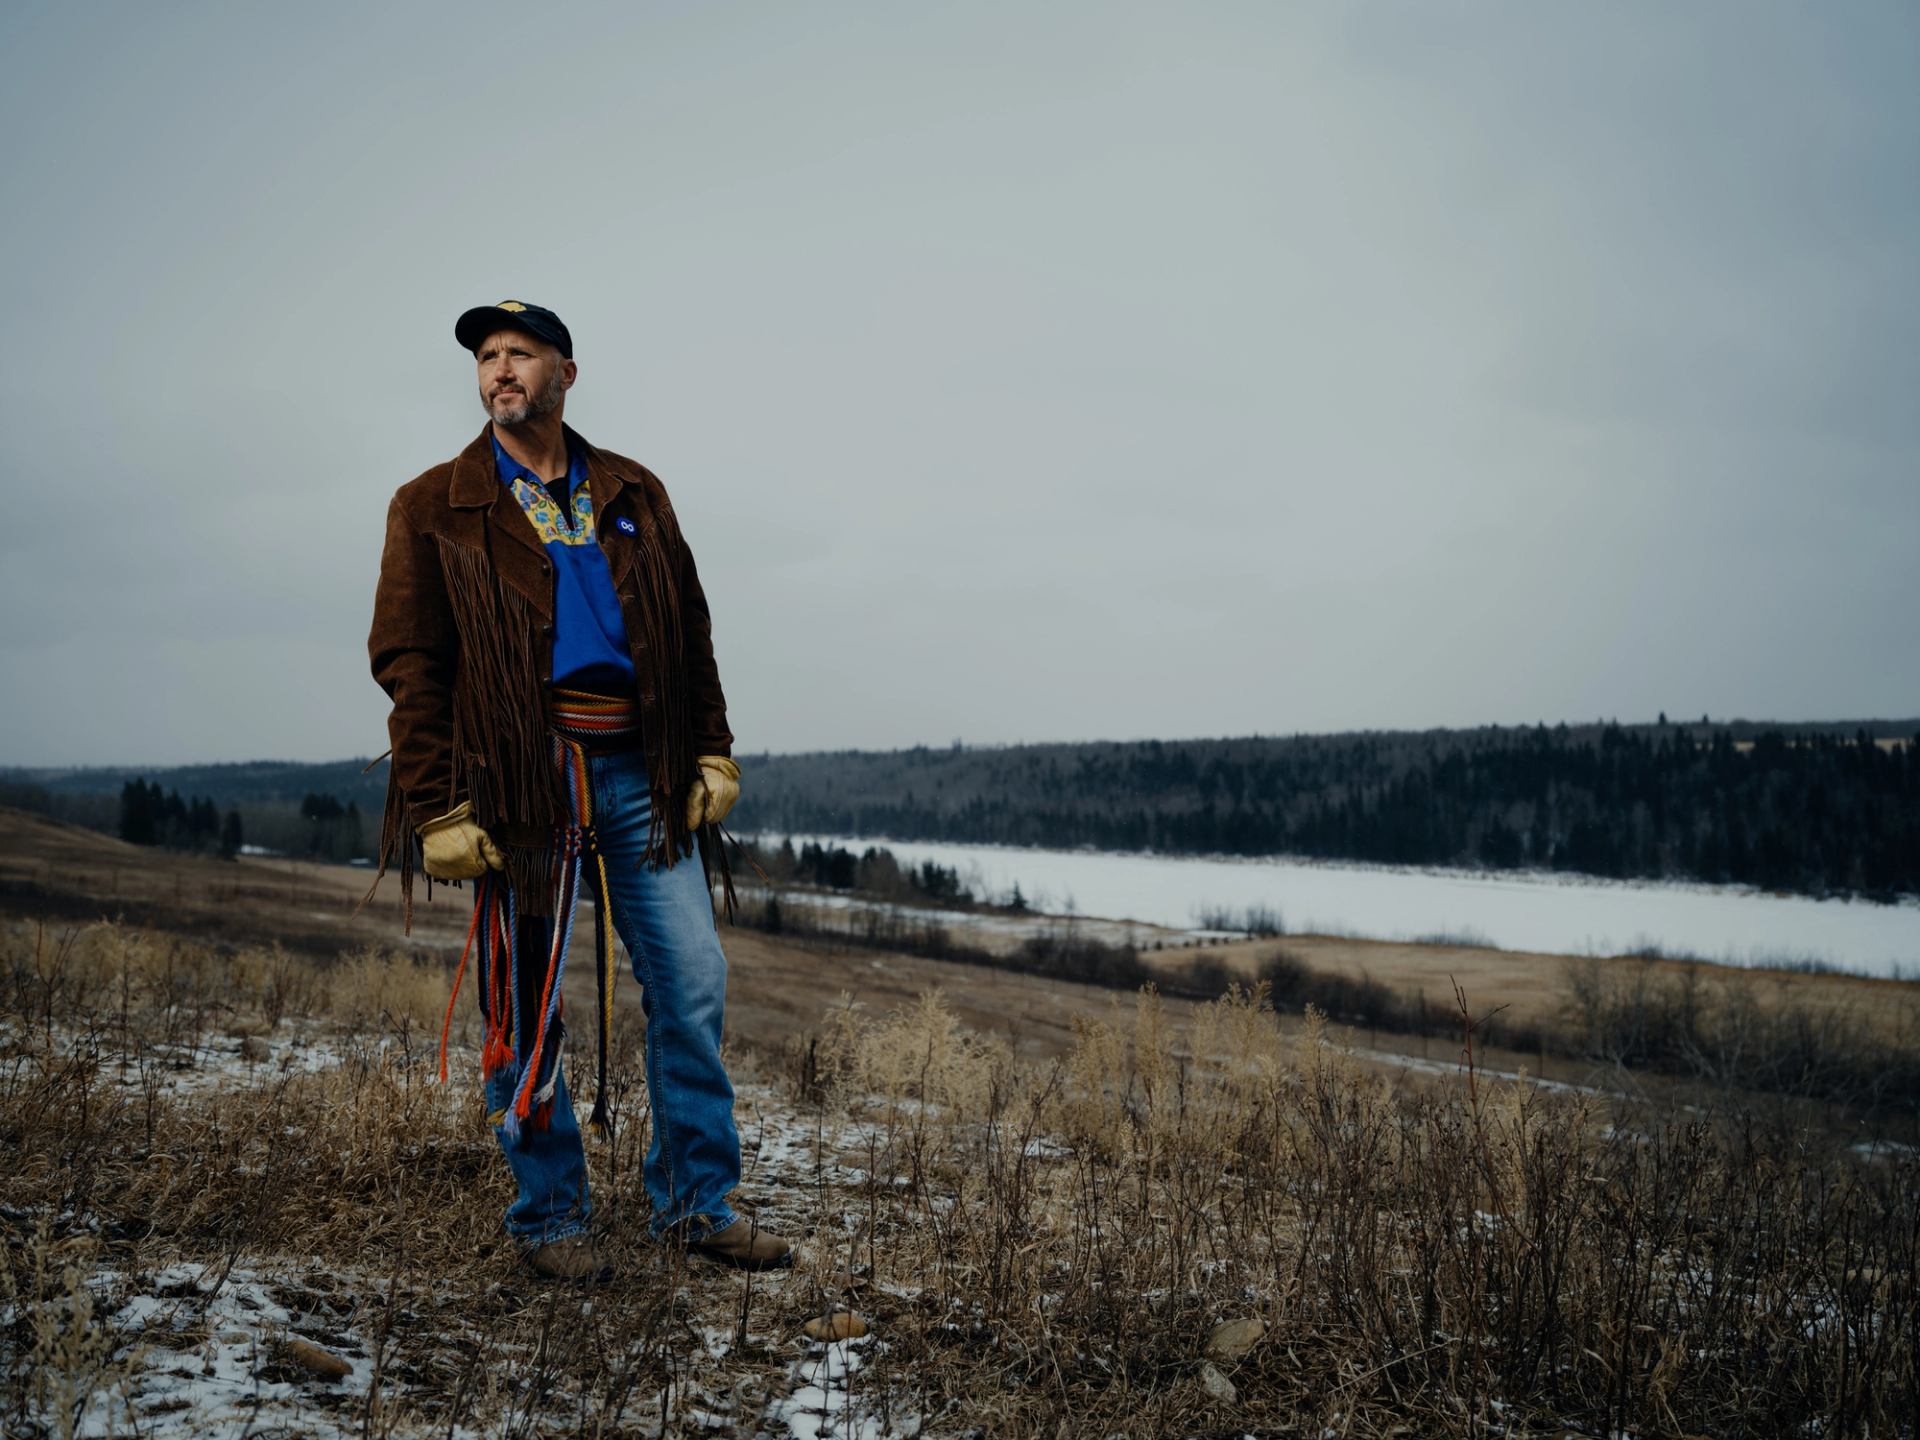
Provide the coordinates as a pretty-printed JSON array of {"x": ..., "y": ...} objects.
[{"x": 625, "y": 524}]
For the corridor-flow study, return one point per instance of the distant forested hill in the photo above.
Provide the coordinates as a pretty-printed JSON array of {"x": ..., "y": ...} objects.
[
  {"x": 1787, "y": 808},
  {"x": 277, "y": 801},
  {"x": 250, "y": 780},
  {"x": 1817, "y": 808}
]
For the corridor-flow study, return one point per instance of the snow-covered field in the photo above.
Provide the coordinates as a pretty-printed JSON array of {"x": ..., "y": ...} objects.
[{"x": 1552, "y": 914}]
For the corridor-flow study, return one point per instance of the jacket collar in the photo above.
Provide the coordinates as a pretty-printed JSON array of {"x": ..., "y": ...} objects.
[
  {"x": 476, "y": 480},
  {"x": 475, "y": 483}
]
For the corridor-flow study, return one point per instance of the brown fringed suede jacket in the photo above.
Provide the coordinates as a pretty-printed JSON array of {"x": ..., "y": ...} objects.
[{"x": 462, "y": 643}]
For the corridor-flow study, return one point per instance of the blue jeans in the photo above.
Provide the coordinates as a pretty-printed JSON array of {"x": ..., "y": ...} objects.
[{"x": 665, "y": 918}]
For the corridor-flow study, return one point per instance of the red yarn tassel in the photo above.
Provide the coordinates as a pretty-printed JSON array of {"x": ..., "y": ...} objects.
[
  {"x": 569, "y": 883},
  {"x": 446, "y": 1025}
]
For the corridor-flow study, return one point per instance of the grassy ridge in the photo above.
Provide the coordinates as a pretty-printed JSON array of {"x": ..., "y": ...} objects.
[{"x": 1666, "y": 1022}]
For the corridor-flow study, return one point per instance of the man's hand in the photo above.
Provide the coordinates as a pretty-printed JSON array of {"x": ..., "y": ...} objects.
[
  {"x": 455, "y": 848},
  {"x": 713, "y": 791}
]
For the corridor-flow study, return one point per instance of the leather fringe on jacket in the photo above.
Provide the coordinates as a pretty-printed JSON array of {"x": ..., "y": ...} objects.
[{"x": 462, "y": 643}]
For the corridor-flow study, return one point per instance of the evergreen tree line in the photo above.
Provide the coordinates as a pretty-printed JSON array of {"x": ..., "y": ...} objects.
[
  {"x": 875, "y": 872},
  {"x": 1816, "y": 813},
  {"x": 331, "y": 831},
  {"x": 152, "y": 816}
]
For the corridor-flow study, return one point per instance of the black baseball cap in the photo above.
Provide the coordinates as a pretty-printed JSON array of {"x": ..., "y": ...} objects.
[{"x": 481, "y": 321}]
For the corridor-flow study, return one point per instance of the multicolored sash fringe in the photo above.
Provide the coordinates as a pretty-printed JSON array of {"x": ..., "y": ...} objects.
[{"x": 529, "y": 1046}]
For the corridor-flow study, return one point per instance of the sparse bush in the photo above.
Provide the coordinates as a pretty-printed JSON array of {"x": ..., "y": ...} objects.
[
  {"x": 69, "y": 1361},
  {"x": 1259, "y": 921},
  {"x": 921, "y": 1054},
  {"x": 1064, "y": 955},
  {"x": 1349, "y": 999},
  {"x": 1462, "y": 938},
  {"x": 1653, "y": 1018},
  {"x": 373, "y": 986}
]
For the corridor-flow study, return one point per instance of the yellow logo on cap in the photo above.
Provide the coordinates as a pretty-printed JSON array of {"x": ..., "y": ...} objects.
[{"x": 509, "y": 305}]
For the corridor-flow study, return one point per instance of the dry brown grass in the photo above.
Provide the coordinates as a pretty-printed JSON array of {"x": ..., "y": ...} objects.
[
  {"x": 1041, "y": 1247},
  {"x": 1442, "y": 1261},
  {"x": 1041, "y": 1198}
]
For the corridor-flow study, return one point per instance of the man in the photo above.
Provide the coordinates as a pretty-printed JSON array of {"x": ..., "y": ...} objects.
[{"x": 558, "y": 721}]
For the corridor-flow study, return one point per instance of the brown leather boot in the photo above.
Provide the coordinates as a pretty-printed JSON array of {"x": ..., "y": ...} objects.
[
  {"x": 577, "y": 1257},
  {"x": 745, "y": 1246}
]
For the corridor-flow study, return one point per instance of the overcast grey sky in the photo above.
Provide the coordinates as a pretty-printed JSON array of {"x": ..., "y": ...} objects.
[{"x": 1018, "y": 371}]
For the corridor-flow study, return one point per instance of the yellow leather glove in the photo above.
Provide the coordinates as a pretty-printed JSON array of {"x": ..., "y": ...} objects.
[
  {"x": 713, "y": 791},
  {"x": 454, "y": 848}
]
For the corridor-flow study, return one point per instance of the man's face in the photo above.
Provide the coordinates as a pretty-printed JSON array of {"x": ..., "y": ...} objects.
[{"x": 521, "y": 378}]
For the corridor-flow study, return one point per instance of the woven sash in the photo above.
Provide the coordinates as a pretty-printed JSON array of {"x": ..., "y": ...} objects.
[{"x": 599, "y": 724}]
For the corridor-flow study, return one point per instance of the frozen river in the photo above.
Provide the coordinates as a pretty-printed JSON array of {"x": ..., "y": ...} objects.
[{"x": 1556, "y": 914}]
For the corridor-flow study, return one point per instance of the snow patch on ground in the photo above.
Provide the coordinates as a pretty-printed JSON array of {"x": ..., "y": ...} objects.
[
  {"x": 202, "y": 1349},
  {"x": 188, "y": 1069},
  {"x": 826, "y": 1404},
  {"x": 1884, "y": 1150},
  {"x": 979, "y": 926},
  {"x": 1454, "y": 1070}
]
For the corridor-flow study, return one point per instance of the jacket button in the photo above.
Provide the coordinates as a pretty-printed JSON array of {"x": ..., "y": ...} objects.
[
  {"x": 546, "y": 567},
  {"x": 546, "y": 627}
]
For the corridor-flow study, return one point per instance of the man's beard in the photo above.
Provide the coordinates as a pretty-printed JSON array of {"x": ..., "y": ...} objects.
[{"x": 530, "y": 408}]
